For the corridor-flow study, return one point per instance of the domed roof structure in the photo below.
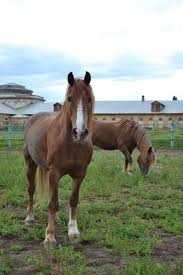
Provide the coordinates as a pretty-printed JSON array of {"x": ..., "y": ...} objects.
[
  {"x": 17, "y": 96},
  {"x": 13, "y": 86}
]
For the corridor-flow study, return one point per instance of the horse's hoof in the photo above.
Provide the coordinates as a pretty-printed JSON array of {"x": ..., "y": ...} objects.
[
  {"x": 29, "y": 220},
  {"x": 129, "y": 173},
  {"x": 49, "y": 242},
  {"x": 75, "y": 237}
]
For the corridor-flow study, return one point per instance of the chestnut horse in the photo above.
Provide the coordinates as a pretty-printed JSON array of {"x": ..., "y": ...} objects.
[
  {"x": 124, "y": 135},
  {"x": 60, "y": 144}
]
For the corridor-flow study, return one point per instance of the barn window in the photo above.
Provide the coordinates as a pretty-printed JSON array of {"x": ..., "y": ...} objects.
[
  {"x": 160, "y": 119},
  {"x": 113, "y": 118},
  {"x": 180, "y": 118},
  {"x": 170, "y": 118},
  {"x": 104, "y": 118}
]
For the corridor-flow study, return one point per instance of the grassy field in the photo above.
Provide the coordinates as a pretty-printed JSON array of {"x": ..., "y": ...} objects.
[{"x": 130, "y": 225}]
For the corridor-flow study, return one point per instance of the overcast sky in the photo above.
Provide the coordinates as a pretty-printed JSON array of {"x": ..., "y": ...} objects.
[{"x": 130, "y": 47}]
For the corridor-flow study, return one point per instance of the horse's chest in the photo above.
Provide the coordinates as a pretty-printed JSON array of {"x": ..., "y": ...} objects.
[{"x": 74, "y": 157}]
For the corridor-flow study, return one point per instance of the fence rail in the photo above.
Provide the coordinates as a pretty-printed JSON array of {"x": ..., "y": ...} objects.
[
  {"x": 167, "y": 139},
  {"x": 11, "y": 138}
]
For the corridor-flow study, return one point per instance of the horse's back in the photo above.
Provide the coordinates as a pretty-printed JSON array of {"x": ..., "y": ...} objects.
[
  {"x": 35, "y": 136},
  {"x": 104, "y": 135}
]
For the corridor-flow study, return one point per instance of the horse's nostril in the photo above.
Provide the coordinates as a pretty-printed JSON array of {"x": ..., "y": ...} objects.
[
  {"x": 74, "y": 131},
  {"x": 79, "y": 134},
  {"x": 86, "y": 132}
]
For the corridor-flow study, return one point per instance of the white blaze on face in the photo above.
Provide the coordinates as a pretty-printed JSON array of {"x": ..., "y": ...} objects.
[{"x": 80, "y": 118}]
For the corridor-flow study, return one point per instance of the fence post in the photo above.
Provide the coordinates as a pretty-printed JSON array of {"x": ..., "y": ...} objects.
[
  {"x": 9, "y": 137},
  {"x": 172, "y": 131},
  {"x": 172, "y": 139}
]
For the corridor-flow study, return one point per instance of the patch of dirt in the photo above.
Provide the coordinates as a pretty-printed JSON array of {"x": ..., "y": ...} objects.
[
  {"x": 16, "y": 210},
  {"x": 170, "y": 251},
  {"x": 19, "y": 259},
  {"x": 99, "y": 258},
  {"x": 96, "y": 257}
]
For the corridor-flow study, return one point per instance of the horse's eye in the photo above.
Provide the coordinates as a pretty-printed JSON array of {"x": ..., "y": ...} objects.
[{"x": 69, "y": 98}]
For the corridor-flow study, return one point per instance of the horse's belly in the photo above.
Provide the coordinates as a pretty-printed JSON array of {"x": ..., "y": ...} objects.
[{"x": 106, "y": 145}]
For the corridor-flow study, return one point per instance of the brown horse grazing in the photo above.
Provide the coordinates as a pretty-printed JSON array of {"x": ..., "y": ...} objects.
[
  {"x": 124, "y": 135},
  {"x": 60, "y": 144}
]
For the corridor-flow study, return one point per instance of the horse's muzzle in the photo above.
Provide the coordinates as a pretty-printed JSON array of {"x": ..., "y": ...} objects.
[
  {"x": 79, "y": 135},
  {"x": 144, "y": 171}
]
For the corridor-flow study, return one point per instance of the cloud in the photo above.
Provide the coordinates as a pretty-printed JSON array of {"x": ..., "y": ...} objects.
[
  {"x": 125, "y": 45},
  {"x": 129, "y": 66},
  {"x": 36, "y": 68},
  {"x": 176, "y": 60},
  {"x": 41, "y": 65},
  {"x": 19, "y": 60}
]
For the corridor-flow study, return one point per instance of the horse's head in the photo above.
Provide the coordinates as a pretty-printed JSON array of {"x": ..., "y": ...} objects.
[
  {"x": 79, "y": 103},
  {"x": 147, "y": 161}
]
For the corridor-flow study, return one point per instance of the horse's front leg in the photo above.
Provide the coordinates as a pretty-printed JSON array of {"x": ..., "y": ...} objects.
[
  {"x": 52, "y": 208},
  {"x": 73, "y": 231},
  {"x": 128, "y": 164},
  {"x": 128, "y": 159}
]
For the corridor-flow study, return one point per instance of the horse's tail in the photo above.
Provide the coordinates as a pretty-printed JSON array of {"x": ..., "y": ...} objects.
[{"x": 43, "y": 191}]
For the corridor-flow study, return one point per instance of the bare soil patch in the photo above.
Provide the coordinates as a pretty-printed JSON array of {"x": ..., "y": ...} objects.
[{"x": 170, "y": 251}]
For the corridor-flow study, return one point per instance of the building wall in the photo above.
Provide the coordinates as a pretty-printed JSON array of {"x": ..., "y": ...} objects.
[
  {"x": 4, "y": 120},
  {"x": 147, "y": 120}
]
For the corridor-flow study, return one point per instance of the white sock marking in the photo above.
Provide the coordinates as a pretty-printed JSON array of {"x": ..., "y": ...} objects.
[
  {"x": 29, "y": 218},
  {"x": 72, "y": 226}
]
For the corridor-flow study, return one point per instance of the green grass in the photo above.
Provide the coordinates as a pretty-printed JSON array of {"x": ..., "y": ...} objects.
[
  {"x": 128, "y": 217},
  {"x": 162, "y": 138}
]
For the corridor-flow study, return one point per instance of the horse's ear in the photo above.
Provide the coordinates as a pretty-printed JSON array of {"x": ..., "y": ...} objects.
[
  {"x": 87, "y": 78},
  {"x": 71, "y": 78}
]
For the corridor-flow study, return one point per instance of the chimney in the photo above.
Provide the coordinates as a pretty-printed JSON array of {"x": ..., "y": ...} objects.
[
  {"x": 143, "y": 98},
  {"x": 174, "y": 98},
  {"x": 57, "y": 107}
]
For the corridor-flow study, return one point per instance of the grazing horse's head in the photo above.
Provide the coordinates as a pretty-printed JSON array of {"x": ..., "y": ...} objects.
[
  {"x": 147, "y": 161},
  {"x": 79, "y": 102}
]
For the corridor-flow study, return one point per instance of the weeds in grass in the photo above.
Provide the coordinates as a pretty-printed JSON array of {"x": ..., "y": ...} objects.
[{"x": 118, "y": 212}]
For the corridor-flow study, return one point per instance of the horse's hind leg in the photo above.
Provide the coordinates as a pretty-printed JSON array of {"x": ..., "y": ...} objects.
[
  {"x": 31, "y": 172},
  {"x": 128, "y": 164},
  {"x": 53, "y": 178}
]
